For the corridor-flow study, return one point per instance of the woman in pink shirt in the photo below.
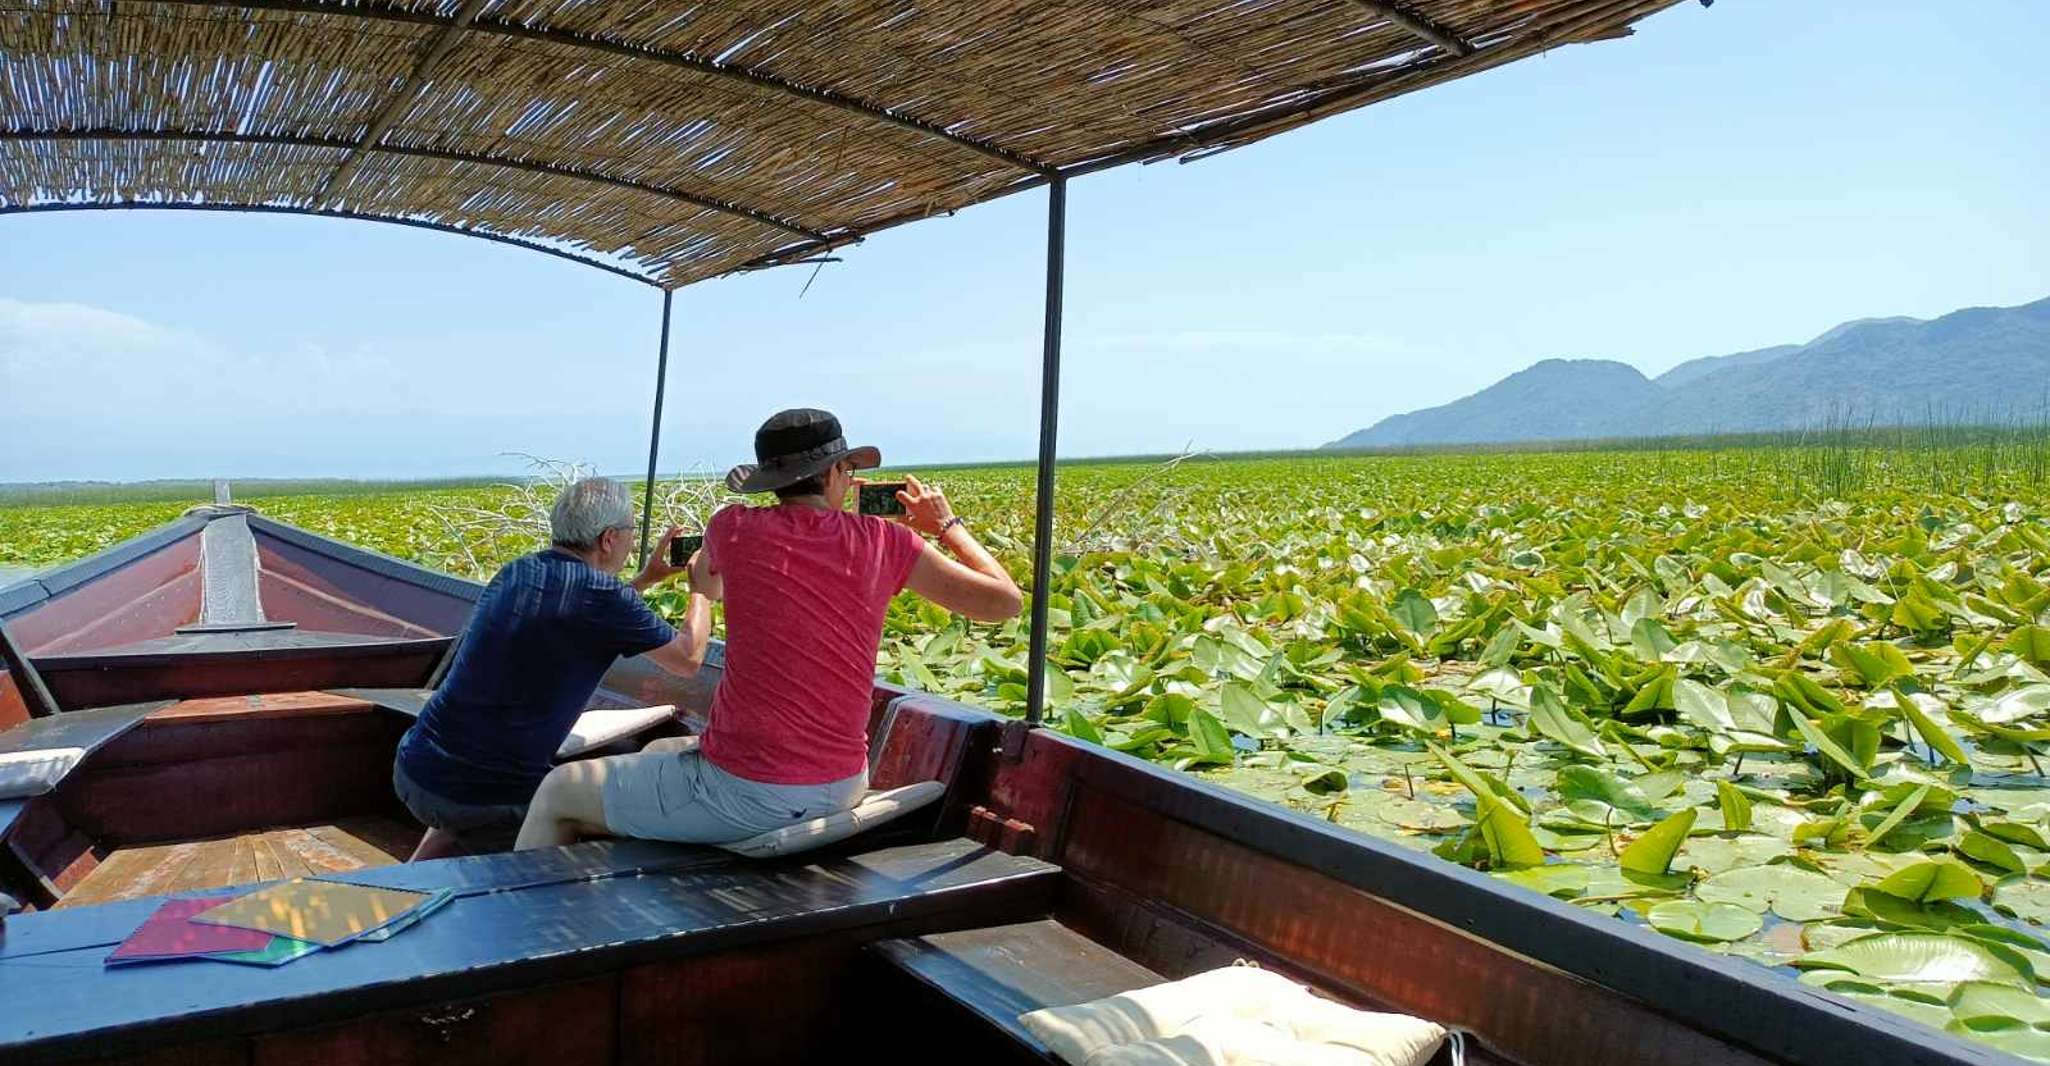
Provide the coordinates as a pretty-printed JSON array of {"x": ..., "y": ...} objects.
[{"x": 805, "y": 583}]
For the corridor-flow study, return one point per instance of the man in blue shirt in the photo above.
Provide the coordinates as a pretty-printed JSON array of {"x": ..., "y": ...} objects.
[{"x": 546, "y": 629}]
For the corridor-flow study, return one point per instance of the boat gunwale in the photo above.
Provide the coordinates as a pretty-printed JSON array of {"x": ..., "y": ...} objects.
[{"x": 1734, "y": 1000}]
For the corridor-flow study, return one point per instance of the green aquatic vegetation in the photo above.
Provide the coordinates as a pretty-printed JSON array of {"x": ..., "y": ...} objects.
[{"x": 1672, "y": 686}]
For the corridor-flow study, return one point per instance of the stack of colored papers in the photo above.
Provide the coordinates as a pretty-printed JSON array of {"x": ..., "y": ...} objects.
[{"x": 274, "y": 925}]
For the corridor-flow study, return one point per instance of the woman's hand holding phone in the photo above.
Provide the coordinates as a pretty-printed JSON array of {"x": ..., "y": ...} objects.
[{"x": 925, "y": 507}]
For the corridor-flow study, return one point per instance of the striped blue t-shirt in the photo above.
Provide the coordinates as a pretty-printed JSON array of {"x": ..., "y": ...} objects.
[{"x": 544, "y": 632}]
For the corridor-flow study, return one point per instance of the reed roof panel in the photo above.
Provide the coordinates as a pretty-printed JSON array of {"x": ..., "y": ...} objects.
[{"x": 683, "y": 140}]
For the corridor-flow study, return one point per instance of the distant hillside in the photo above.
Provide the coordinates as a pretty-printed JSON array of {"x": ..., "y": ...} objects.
[
  {"x": 1557, "y": 398},
  {"x": 1982, "y": 363}
]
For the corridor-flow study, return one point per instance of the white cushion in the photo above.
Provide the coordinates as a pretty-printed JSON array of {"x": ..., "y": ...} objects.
[
  {"x": 1237, "y": 1015},
  {"x": 873, "y": 810},
  {"x": 595, "y": 729},
  {"x": 32, "y": 773}
]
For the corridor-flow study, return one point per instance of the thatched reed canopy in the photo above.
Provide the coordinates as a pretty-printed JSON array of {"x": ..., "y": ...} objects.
[{"x": 681, "y": 140}]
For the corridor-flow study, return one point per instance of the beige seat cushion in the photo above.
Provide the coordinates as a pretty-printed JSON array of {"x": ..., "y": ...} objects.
[
  {"x": 1236, "y": 1015},
  {"x": 32, "y": 773},
  {"x": 874, "y": 809},
  {"x": 595, "y": 729}
]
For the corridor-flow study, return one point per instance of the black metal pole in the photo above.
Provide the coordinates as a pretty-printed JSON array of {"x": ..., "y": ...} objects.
[
  {"x": 1049, "y": 414},
  {"x": 655, "y": 434}
]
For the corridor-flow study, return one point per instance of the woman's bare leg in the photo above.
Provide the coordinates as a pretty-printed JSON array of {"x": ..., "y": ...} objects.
[
  {"x": 569, "y": 804},
  {"x": 437, "y": 844}
]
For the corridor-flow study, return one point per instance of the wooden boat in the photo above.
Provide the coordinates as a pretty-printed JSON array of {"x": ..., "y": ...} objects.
[{"x": 216, "y": 703}]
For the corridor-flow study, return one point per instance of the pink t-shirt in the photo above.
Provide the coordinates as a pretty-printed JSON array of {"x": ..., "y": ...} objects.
[{"x": 805, "y": 594}]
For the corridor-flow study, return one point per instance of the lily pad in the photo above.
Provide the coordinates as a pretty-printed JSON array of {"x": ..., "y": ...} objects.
[
  {"x": 1788, "y": 891},
  {"x": 1925, "y": 882},
  {"x": 1691, "y": 919},
  {"x": 1923, "y": 959}
]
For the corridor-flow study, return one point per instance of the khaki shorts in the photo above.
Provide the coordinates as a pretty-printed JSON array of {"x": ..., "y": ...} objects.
[{"x": 682, "y": 797}]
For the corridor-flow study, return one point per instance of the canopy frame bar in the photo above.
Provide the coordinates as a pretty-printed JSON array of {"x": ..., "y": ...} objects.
[
  {"x": 683, "y": 60},
  {"x": 381, "y": 123},
  {"x": 655, "y": 431},
  {"x": 545, "y": 169},
  {"x": 1418, "y": 26},
  {"x": 1049, "y": 419},
  {"x": 352, "y": 216}
]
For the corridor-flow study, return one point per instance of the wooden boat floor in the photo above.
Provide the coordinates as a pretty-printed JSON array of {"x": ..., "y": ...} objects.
[{"x": 245, "y": 858}]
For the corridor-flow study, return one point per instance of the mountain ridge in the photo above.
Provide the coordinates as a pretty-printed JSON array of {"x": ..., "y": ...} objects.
[{"x": 1973, "y": 363}]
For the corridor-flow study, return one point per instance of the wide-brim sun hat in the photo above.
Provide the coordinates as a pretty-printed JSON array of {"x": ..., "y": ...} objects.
[{"x": 794, "y": 445}]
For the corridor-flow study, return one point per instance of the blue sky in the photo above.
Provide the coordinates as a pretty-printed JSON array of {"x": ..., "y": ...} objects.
[{"x": 1729, "y": 178}]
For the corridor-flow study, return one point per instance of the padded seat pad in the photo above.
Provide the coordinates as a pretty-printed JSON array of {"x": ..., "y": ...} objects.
[
  {"x": 34, "y": 772},
  {"x": 595, "y": 729},
  {"x": 874, "y": 809}
]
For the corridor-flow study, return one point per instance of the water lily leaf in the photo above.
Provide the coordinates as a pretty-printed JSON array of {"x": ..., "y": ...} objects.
[
  {"x": 1792, "y": 893},
  {"x": 1650, "y": 640},
  {"x": 2027, "y": 898},
  {"x": 1691, "y": 919},
  {"x": 1735, "y": 807},
  {"x": 1077, "y": 724},
  {"x": 1932, "y": 734},
  {"x": 1609, "y": 793},
  {"x": 1507, "y": 835},
  {"x": 2024, "y": 1041},
  {"x": 1549, "y": 716},
  {"x": 1924, "y": 882},
  {"x": 1923, "y": 959},
  {"x": 1992, "y": 851},
  {"x": 1564, "y": 880},
  {"x": 2015, "y": 833},
  {"x": 1702, "y": 705},
  {"x": 1829, "y": 748},
  {"x": 1908, "y": 805},
  {"x": 1240, "y": 708},
  {"x": 2030, "y": 643},
  {"x": 1977, "y": 1000},
  {"x": 1209, "y": 738},
  {"x": 1653, "y": 852},
  {"x": 1938, "y": 917},
  {"x": 1875, "y": 665},
  {"x": 1415, "y": 612},
  {"x": 1483, "y": 788},
  {"x": 1326, "y": 782}
]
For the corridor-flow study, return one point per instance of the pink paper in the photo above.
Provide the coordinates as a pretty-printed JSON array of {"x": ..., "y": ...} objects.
[{"x": 170, "y": 934}]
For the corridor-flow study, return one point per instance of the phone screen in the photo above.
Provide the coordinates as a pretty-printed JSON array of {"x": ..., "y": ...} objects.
[
  {"x": 881, "y": 498},
  {"x": 683, "y": 547}
]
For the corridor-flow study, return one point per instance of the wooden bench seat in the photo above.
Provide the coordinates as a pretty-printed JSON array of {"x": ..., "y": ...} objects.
[
  {"x": 518, "y": 921},
  {"x": 980, "y": 980}
]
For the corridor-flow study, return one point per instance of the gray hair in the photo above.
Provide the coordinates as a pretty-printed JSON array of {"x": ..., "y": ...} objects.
[{"x": 586, "y": 509}]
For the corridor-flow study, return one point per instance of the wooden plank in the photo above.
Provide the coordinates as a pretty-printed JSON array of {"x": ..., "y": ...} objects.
[
  {"x": 1001, "y": 972},
  {"x": 290, "y": 862},
  {"x": 389, "y": 836},
  {"x": 268, "y": 868},
  {"x": 263, "y": 705},
  {"x": 345, "y": 844},
  {"x": 242, "y": 870},
  {"x": 211, "y": 865}
]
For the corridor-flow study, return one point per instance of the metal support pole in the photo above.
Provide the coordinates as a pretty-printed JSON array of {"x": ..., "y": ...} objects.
[
  {"x": 1049, "y": 413},
  {"x": 655, "y": 433}
]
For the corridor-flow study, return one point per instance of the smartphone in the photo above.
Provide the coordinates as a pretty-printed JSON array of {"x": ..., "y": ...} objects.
[
  {"x": 683, "y": 547},
  {"x": 880, "y": 498}
]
